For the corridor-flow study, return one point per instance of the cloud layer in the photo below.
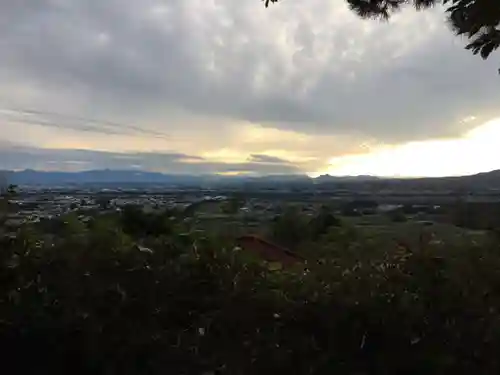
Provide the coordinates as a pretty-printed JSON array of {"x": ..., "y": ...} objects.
[
  {"x": 190, "y": 76},
  {"x": 16, "y": 157}
]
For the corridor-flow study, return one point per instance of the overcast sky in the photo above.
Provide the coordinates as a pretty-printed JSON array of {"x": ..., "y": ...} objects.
[{"x": 229, "y": 86}]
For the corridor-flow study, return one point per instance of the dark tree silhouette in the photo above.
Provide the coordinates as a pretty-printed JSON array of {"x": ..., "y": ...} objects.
[{"x": 478, "y": 20}]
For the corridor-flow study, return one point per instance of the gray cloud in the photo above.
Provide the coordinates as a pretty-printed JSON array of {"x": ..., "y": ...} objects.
[
  {"x": 267, "y": 159},
  {"x": 16, "y": 157},
  {"x": 310, "y": 67},
  {"x": 65, "y": 121}
]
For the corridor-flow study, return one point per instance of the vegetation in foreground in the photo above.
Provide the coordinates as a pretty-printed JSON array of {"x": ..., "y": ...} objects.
[{"x": 131, "y": 293}]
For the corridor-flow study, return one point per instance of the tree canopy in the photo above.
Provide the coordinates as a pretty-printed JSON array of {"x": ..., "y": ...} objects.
[{"x": 478, "y": 20}]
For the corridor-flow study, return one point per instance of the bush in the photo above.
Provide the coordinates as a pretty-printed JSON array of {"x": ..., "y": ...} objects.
[
  {"x": 290, "y": 228},
  {"x": 194, "y": 306},
  {"x": 397, "y": 216}
]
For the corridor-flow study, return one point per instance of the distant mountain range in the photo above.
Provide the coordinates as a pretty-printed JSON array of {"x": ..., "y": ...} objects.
[
  {"x": 117, "y": 177},
  {"x": 123, "y": 177},
  {"x": 328, "y": 178},
  {"x": 32, "y": 177}
]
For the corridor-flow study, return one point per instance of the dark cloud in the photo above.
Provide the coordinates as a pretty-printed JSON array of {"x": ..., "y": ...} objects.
[
  {"x": 267, "y": 159},
  {"x": 314, "y": 68},
  {"x": 67, "y": 121},
  {"x": 16, "y": 157}
]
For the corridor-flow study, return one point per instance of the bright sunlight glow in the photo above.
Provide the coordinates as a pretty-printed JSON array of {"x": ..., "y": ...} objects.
[{"x": 476, "y": 151}]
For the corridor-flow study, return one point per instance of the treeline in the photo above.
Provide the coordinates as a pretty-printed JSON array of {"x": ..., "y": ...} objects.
[{"x": 477, "y": 215}]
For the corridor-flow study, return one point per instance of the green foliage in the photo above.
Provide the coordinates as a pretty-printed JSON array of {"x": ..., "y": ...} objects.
[
  {"x": 6, "y": 204},
  {"x": 290, "y": 228},
  {"x": 232, "y": 205},
  {"x": 11, "y": 190},
  {"x": 8, "y": 190},
  {"x": 103, "y": 202},
  {"x": 106, "y": 234},
  {"x": 322, "y": 222},
  {"x": 477, "y": 215},
  {"x": 110, "y": 296},
  {"x": 397, "y": 216},
  {"x": 138, "y": 223}
]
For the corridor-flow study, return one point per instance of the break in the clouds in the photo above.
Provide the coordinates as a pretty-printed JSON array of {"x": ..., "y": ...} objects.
[{"x": 192, "y": 76}]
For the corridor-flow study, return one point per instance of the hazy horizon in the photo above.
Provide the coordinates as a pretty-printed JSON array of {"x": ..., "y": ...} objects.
[{"x": 237, "y": 174}]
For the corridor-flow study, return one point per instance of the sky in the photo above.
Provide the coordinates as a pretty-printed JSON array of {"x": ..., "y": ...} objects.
[{"x": 224, "y": 86}]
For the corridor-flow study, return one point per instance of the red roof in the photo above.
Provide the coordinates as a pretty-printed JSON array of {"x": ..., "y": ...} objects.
[{"x": 267, "y": 250}]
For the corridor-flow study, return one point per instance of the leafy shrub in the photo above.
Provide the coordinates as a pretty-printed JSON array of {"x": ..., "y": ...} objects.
[
  {"x": 93, "y": 303},
  {"x": 290, "y": 228}
]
